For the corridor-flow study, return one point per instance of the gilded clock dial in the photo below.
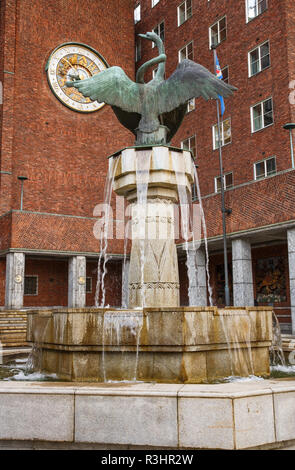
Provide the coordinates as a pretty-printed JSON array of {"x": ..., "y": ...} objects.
[{"x": 74, "y": 62}]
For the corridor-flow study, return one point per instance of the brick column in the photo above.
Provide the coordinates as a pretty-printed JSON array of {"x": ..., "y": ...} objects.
[
  {"x": 77, "y": 282},
  {"x": 291, "y": 256},
  {"x": 15, "y": 280},
  {"x": 242, "y": 273}
]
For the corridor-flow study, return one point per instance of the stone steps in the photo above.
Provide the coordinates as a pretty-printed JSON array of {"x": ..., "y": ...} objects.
[
  {"x": 13, "y": 329},
  {"x": 288, "y": 342}
]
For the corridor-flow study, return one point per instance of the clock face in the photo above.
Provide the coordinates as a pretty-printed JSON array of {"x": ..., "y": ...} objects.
[{"x": 70, "y": 62}]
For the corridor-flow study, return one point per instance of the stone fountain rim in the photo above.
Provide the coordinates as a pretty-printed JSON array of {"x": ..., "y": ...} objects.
[
  {"x": 146, "y": 147},
  {"x": 53, "y": 310}
]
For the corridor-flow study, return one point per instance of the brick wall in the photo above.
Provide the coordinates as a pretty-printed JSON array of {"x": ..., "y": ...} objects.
[
  {"x": 62, "y": 152},
  {"x": 53, "y": 282}
]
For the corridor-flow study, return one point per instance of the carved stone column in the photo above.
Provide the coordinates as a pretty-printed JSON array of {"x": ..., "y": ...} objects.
[
  {"x": 77, "y": 282},
  {"x": 153, "y": 274},
  {"x": 15, "y": 280}
]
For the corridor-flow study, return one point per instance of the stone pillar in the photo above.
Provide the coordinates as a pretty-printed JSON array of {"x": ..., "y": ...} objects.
[
  {"x": 201, "y": 288},
  {"x": 15, "y": 280},
  {"x": 242, "y": 273},
  {"x": 291, "y": 256},
  {"x": 77, "y": 282}
]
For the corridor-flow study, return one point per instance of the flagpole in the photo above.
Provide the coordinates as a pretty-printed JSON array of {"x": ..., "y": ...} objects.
[{"x": 223, "y": 209}]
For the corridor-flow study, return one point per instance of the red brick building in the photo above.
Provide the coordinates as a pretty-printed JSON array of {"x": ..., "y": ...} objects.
[
  {"x": 63, "y": 152},
  {"x": 256, "y": 44}
]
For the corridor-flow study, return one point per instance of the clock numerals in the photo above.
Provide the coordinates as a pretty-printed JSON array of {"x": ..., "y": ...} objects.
[{"x": 74, "y": 62}]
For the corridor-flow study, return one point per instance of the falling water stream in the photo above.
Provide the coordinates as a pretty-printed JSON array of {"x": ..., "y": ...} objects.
[
  {"x": 190, "y": 248},
  {"x": 118, "y": 326},
  {"x": 100, "y": 285},
  {"x": 204, "y": 226},
  {"x": 143, "y": 162}
]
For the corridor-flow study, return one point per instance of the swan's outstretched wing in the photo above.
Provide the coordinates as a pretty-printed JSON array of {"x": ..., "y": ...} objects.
[
  {"x": 111, "y": 86},
  {"x": 173, "y": 120},
  {"x": 190, "y": 80}
]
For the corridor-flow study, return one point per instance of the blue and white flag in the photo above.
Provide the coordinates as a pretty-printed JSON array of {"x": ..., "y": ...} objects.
[{"x": 220, "y": 76}]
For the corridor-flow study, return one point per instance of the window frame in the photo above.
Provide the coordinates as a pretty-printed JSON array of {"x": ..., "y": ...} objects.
[
  {"x": 224, "y": 183},
  {"x": 264, "y": 160},
  {"x": 194, "y": 106},
  {"x": 194, "y": 154},
  {"x": 259, "y": 59},
  {"x": 222, "y": 134},
  {"x": 248, "y": 19},
  {"x": 253, "y": 131},
  {"x": 218, "y": 32},
  {"x": 185, "y": 47},
  {"x": 158, "y": 26},
  {"x": 135, "y": 8},
  {"x": 137, "y": 51},
  {"x": 226, "y": 67},
  {"x": 154, "y": 3},
  {"x": 185, "y": 12},
  {"x": 91, "y": 285},
  {"x": 37, "y": 284}
]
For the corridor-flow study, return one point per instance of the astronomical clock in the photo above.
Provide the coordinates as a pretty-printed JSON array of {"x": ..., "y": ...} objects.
[{"x": 70, "y": 62}]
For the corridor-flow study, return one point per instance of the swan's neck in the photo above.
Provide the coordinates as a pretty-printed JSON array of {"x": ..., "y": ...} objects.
[{"x": 161, "y": 60}]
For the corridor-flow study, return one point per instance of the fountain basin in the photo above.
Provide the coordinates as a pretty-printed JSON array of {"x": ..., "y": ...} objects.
[{"x": 168, "y": 345}]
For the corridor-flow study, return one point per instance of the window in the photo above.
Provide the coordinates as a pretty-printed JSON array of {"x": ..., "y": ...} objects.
[
  {"x": 191, "y": 105},
  {"x": 186, "y": 52},
  {"x": 220, "y": 284},
  {"x": 31, "y": 285},
  {"x": 160, "y": 31},
  {"x": 190, "y": 144},
  {"x": 217, "y": 32},
  {"x": 265, "y": 168},
  {"x": 259, "y": 59},
  {"x": 88, "y": 284},
  {"x": 262, "y": 115},
  {"x": 228, "y": 182},
  {"x": 255, "y": 8},
  {"x": 225, "y": 74},
  {"x": 137, "y": 13},
  {"x": 184, "y": 11},
  {"x": 225, "y": 134},
  {"x": 154, "y": 3},
  {"x": 137, "y": 51}
]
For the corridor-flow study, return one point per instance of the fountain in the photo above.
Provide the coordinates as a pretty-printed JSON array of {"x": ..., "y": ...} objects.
[
  {"x": 155, "y": 339},
  {"x": 160, "y": 340},
  {"x": 158, "y": 366}
]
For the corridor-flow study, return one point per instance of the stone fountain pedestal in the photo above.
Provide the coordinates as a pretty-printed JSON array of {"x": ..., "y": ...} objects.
[
  {"x": 155, "y": 339},
  {"x": 148, "y": 178}
]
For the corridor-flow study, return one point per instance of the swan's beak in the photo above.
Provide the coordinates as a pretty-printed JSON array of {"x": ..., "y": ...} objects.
[{"x": 144, "y": 36}]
